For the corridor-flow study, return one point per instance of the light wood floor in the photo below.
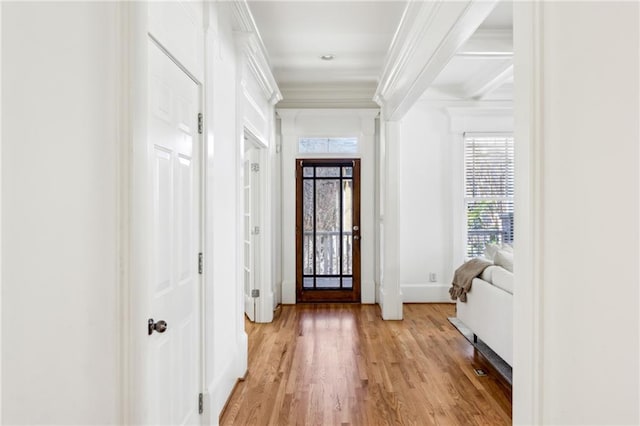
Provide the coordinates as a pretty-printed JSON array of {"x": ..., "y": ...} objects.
[{"x": 341, "y": 364}]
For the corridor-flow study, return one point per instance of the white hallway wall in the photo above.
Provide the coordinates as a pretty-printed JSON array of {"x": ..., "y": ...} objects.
[
  {"x": 425, "y": 204},
  {"x": 227, "y": 341},
  {"x": 577, "y": 176},
  {"x": 431, "y": 197},
  {"x": 60, "y": 325},
  {"x": 61, "y": 285}
]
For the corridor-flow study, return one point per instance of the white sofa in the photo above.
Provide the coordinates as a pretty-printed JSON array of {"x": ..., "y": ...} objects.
[{"x": 488, "y": 311}]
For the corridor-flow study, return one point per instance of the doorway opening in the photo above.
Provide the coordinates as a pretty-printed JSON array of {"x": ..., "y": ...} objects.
[
  {"x": 328, "y": 230},
  {"x": 252, "y": 224}
]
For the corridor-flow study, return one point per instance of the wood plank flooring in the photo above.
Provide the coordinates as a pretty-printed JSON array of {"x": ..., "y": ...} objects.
[{"x": 341, "y": 364}]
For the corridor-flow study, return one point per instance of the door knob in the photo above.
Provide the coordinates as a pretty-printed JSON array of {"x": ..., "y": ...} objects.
[
  {"x": 355, "y": 228},
  {"x": 355, "y": 237},
  {"x": 160, "y": 326}
]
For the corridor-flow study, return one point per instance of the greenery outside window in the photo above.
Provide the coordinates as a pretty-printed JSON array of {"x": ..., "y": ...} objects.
[{"x": 489, "y": 190}]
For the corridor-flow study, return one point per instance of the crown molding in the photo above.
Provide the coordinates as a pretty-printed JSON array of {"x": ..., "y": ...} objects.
[
  {"x": 294, "y": 113},
  {"x": 248, "y": 36},
  {"x": 429, "y": 35},
  {"x": 328, "y": 96}
]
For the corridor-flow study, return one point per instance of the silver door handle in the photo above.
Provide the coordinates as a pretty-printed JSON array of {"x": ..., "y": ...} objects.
[
  {"x": 356, "y": 228},
  {"x": 355, "y": 237},
  {"x": 160, "y": 326}
]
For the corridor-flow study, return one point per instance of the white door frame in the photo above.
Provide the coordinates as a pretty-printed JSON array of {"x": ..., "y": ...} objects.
[
  {"x": 262, "y": 274},
  {"x": 134, "y": 176}
]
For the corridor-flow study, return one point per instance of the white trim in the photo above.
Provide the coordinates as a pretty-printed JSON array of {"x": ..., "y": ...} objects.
[
  {"x": 1, "y": 284},
  {"x": 328, "y": 96},
  {"x": 264, "y": 303},
  {"x": 138, "y": 244},
  {"x": 123, "y": 189},
  {"x": 219, "y": 391},
  {"x": 294, "y": 113},
  {"x": 429, "y": 35},
  {"x": 529, "y": 236},
  {"x": 486, "y": 43},
  {"x": 425, "y": 293},
  {"x": 390, "y": 290},
  {"x": 484, "y": 85}
]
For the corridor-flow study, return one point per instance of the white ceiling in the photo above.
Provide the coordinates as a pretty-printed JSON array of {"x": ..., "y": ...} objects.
[
  {"x": 501, "y": 18},
  {"x": 297, "y": 32},
  {"x": 483, "y": 67}
]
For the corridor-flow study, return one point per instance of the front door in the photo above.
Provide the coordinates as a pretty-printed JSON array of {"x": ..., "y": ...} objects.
[
  {"x": 172, "y": 364},
  {"x": 328, "y": 230}
]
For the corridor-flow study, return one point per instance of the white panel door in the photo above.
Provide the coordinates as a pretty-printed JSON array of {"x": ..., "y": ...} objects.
[
  {"x": 249, "y": 233},
  {"x": 173, "y": 358}
]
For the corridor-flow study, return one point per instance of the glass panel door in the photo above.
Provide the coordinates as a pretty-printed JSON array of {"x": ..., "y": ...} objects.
[{"x": 328, "y": 230}]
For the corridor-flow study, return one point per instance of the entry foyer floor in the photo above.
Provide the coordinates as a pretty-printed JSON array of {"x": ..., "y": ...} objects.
[{"x": 338, "y": 364}]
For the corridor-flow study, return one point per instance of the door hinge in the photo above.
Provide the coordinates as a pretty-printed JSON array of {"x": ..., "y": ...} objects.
[
  {"x": 255, "y": 230},
  {"x": 200, "y": 123},
  {"x": 255, "y": 167},
  {"x": 200, "y": 403},
  {"x": 255, "y": 292},
  {"x": 200, "y": 263}
]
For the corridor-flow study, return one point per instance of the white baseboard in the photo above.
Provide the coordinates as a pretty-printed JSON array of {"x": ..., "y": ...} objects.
[
  {"x": 219, "y": 390},
  {"x": 266, "y": 308},
  {"x": 425, "y": 293},
  {"x": 368, "y": 292},
  {"x": 390, "y": 312},
  {"x": 288, "y": 292}
]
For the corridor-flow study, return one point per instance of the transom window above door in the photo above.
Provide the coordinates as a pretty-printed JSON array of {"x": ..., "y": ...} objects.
[{"x": 339, "y": 145}]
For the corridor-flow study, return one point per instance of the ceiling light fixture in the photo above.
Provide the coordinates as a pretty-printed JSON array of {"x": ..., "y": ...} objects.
[{"x": 327, "y": 57}]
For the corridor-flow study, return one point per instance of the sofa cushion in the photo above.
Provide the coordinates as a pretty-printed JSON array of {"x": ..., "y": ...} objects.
[
  {"x": 490, "y": 251},
  {"x": 502, "y": 278},
  {"x": 488, "y": 273},
  {"x": 505, "y": 259}
]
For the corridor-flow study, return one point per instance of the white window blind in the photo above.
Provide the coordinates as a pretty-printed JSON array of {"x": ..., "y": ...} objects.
[{"x": 489, "y": 189}]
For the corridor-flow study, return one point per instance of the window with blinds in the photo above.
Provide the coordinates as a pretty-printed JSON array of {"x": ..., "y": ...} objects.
[{"x": 489, "y": 190}]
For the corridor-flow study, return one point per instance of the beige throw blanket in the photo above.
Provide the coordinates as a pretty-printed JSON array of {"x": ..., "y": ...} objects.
[{"x": 463, "y": 277}]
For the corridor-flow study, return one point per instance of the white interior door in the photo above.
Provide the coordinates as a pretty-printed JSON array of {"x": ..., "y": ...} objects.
[
  {"x": 173, "y": 360},
  {"x": 251, "y": 228}
]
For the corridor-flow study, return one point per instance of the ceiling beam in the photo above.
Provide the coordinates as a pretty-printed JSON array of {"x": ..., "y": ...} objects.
[
  {"x": 429, "y": 35},
  {"x": 481, "y": 86},
  {"x": 328, "y": 96},
  {"x": 489, "y": 44}
]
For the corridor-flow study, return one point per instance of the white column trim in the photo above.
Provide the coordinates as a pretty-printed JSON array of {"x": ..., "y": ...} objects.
[
  {"x": 390, "y": 291},
  {"x": 529, "y": 233},
  {"x": 1, "y": 209}
]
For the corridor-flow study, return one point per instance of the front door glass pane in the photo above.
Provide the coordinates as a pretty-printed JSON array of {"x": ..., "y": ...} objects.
[{"x": 327, "y": 227}]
